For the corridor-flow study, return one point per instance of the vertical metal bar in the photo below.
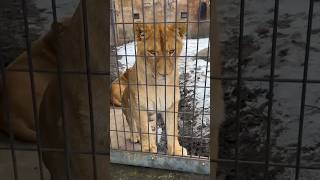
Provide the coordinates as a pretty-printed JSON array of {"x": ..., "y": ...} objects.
[
  {"x": 60, "y": 83},
  {"x": 174, "y": 77},
  {"x": 304, "y": 89},
  {"x": 113, "y": 24},
  {"x": 185, "y": 62},
  {"x": 271, "y": 87},
  {"x": 113, "y": 107},
  {"x": 165, "y": 64},
  {"x": 6, "y": 116},
  {"x": 239, "y": 79},
  {"x": 155, "y": 66},
  {"x": 205, "y": 89},
  {"x": 107, "y": 69},
  {"x": 126, "y": 56},
  {"x": 33, "y": 93},
  {"x": 136, "y": 63},
  {"x": 112, "y": 10},
  {"x": 145, "y": 65},
  {"x": 88, "y": 74},
  {"x": 195, "y": 76}
]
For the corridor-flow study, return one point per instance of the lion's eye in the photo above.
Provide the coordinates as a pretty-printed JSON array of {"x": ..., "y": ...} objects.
[
  {"x": 151, "y": 52},
  {"x": 171, "y": 52}
]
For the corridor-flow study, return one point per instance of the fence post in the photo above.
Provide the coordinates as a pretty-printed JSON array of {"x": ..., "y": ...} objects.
[{"x": 217, "y": 95}]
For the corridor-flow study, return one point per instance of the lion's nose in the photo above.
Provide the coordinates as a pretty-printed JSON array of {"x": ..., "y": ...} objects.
[{"x": 163, "y": 75}]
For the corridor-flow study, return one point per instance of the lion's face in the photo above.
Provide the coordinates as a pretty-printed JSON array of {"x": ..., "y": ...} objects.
[{"x": 160, "y": 44}]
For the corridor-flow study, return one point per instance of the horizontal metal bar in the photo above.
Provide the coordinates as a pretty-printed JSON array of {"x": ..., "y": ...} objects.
[
  {"x": 181, "y": 136},
  {"x": 34, "y": 149},
  {"x": 231, "y": 78},
  {"x": 260, "y": 163},
  {"x": 55, "y": 71},
  {"x": 143, "y": 56},
  {"x": 283, "y": 80},
  {"x": 184, "y": 164},
  {"x": 162, "y": 22},
  {"x": 160, "y": 85},
  {"x": 158, "y": 111}
]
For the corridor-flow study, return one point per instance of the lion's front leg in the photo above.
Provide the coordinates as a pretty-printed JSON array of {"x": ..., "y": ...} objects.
[
  {"x": 174, "y": 147},
  {"x": 129, "y": 108},
  {"x": 146, "y": 127},
  {"x": 134, "y": 133},
  {"x": 152, "y": 124}
]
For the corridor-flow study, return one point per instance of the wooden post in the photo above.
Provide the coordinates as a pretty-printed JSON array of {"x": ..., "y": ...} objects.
[
  {"x": 216, "y": 91},
  {"x": 66, "y": 121}
]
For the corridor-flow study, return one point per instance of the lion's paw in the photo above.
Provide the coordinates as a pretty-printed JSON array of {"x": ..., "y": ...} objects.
[
  {"x": 135, "y": 138},
  {"x": 180, "y": 151},
  {"x": 152, "y": 149}
]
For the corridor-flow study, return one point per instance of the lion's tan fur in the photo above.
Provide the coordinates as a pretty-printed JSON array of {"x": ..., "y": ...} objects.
[
  {"x": 118, "y": 87},
  {"x": 18, "y": 85}
]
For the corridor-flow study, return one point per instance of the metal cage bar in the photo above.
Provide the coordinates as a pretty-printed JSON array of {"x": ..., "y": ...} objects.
[
  {"x": 31, "y": 76},
  {"x": 6, "y": 116},
  {"x": 113, "y": 25},
  {"x": 88, "y": 76},
  {"x": 156, "y": 21},
  {"x": 225, "y": 78},
  {"x": 304, "y": 88},
  {"x": 59, "y": 72},
  {"x": 185, "y": 58},
  {"x": 192, "y": 163},
  {"x": 195, "y": 74},
  {"x": 271, "y": 86},
  {"x": 239, "y": 80}
]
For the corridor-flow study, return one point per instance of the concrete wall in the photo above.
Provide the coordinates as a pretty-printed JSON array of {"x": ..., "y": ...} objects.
[{"x": 124, "y": 16}]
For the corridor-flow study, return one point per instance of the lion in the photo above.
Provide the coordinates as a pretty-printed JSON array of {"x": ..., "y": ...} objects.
[
  {"x": 17, "y": 88},
  {"x": 153, "y": 85},
  {"x": 44, "y": 58}
]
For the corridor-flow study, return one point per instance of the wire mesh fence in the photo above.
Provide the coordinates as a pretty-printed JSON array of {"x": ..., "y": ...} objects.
[
  {"x": 167, "y": 99},
  {"x": 25, "y": 83},
  {"x": 192, "y": 79},
  {"x": 160, "y": 73}
]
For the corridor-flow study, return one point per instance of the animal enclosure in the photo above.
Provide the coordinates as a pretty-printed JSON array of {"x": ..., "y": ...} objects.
[
  {"x": 247, "y": 89},
  {"x": 192, "y": 81}
]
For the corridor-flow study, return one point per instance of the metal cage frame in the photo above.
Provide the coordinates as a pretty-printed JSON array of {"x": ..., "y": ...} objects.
[{"x": 195, "y": 165}]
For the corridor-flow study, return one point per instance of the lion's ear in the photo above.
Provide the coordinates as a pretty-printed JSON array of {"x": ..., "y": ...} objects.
[
  {"x": 139, "y": 31},
  {"x": 181, "y": 29}
]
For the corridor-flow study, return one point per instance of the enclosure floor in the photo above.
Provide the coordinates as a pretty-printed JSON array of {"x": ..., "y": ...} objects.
[
  {"x": 120, "y": 133},
  {"x": 28, "y": 167}
]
